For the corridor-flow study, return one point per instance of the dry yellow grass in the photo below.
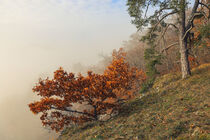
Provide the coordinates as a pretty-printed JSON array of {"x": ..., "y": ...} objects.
[{"x": 173, "y": 109}]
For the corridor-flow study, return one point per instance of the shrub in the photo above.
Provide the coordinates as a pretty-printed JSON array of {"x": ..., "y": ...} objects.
[{"x": 100, "y": 92}]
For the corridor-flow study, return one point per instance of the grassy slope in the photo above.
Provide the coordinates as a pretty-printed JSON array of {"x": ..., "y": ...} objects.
[{"x": 173, "y": 109}]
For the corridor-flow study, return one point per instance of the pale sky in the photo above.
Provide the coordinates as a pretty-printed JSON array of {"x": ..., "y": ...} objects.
[{"x": 38, "y": 36}]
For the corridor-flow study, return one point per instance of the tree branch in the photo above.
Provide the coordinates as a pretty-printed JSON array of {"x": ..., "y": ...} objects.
[
  {"x": 163, "y": 33},
  {"x": 73, "y": 111},
  {"x": 173, "y": 25},
  {"x": 145, "y": 15},
  {"x": 176, "y": 43},
  {"x": 202, "y": 13},
  {"x": 205, "y": 5},
  {"x": 190, "y": 28},
  {"x": 195, "y": 7},
  {"x": 164, "y": 16},
  {"x": 164, "y": 8},
  {"x": 186, "y": 32}
]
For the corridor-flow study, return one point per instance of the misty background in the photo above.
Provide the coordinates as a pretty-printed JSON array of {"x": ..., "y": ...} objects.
[{"x": 37, "y": 37}]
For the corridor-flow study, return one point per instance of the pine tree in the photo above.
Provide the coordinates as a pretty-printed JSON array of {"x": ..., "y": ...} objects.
[{"x": 158, "y": 20}]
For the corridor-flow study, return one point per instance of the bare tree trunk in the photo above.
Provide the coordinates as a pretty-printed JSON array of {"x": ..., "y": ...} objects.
[{"x": 185, "y": 67}]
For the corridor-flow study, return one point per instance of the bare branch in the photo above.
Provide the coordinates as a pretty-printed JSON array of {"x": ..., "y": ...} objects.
[
  {"x": 205, "y": 5},
  {"x": 195, "y": 7},
  {"x": 163, "y": 33},
  {"x": 191, "y": 26},
  {"x": 73, "y": 111},
  {"x": 147, "y": 9},
  {"x": 176, "y": 43},
  {"x": 202, "y": 13},
  {"x": 173, "y": 25},
  {"x": 164, "y": 16},
  {"x": 162, "y": 9},
  {"x": 186, "y": 32}
]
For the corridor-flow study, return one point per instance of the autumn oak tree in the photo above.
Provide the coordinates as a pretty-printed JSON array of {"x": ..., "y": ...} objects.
[
  {"x": 157, "y": 21},
  {"x": 60, "y": 93}
]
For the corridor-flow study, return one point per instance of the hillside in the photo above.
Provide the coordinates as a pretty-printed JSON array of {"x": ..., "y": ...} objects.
[{"x": 172, "y": 109}]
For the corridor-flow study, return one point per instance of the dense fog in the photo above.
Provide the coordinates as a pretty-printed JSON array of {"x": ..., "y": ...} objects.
[{"x": 36, "y": 38}]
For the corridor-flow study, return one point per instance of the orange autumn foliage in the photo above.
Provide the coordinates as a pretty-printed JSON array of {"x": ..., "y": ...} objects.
[
  {"x": 99, "y": 91},
  {"x": 199, "y": 22},
  {"x": 193, "y": 62},
  {"x": 200, "y": 42}
]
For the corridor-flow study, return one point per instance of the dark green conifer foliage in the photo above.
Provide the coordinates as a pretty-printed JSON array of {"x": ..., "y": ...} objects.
[{"x": 152, "y": 58}]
